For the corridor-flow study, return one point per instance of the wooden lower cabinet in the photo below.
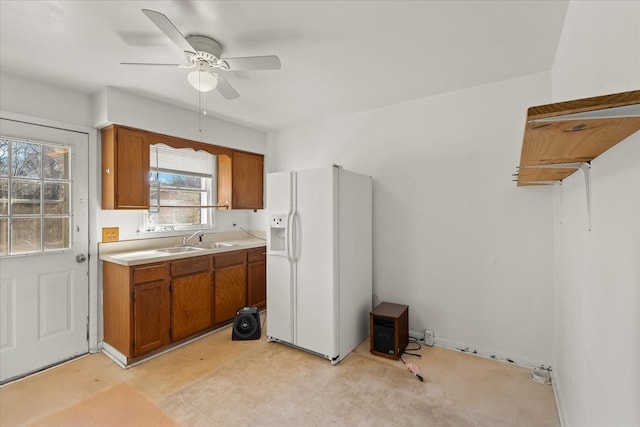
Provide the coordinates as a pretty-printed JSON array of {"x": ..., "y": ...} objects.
[
  {"x": 191, "y": 297},
  {"x": 230, "y": 284},
  {"x": 152, "y": 306},
  {"x": 257, "y": 278},
  {"x": 191, "y": 305},
  {"x": 136, "y": 308},
  {"x": 150, "y": 317}
]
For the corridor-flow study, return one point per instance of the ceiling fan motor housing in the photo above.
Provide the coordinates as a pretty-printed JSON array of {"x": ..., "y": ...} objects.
[{"x": 206, "y": 49}]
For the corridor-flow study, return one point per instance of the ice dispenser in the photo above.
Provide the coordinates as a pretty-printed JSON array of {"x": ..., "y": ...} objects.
[{"x": 278, "y": 234}]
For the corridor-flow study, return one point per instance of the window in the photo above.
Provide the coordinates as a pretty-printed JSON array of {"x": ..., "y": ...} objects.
[
  {"x": 35, "y": 189},
  {"x": 182, "y": 189}
]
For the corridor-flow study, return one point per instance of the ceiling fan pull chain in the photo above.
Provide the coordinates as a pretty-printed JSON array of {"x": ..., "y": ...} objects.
[{"x": 200, "y": 95}]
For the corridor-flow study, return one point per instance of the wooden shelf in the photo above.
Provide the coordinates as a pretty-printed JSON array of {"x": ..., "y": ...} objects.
[{"x": 574, "y": 132}]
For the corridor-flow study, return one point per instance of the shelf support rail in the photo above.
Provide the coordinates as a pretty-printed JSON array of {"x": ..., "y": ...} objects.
[{"x": 585, "y": 167}]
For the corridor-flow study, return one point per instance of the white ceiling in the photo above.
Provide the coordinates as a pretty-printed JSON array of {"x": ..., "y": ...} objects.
[{"x": 337, "y": 56}]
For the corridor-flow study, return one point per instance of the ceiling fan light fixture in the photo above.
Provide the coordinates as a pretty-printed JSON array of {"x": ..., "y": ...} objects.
[{"x": 202, "y": 81}]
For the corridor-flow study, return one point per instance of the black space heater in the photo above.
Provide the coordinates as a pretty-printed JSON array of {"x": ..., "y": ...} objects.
[{"x": 246, "y": 324}]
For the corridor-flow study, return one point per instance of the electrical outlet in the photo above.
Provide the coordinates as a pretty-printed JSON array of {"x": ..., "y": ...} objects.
[
  {"x": 110, "y": 234},
  {"x": 428, "y": 337}
]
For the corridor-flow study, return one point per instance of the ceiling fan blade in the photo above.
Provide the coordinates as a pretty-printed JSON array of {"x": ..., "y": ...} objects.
[
  {"x": 225, "y": 89},
  {"x": 167, "y": 27},
  {"x": 270, "y": 62}
]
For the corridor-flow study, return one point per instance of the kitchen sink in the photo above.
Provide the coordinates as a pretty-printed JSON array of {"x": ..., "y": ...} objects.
[
  {"x": 215, "y": 245},
  {"x": 179, "y": 249},
  {"x": 221, "y": 245}
]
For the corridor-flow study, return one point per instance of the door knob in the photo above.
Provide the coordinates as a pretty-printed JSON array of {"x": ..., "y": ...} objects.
[{"x": 81, "y": 258}]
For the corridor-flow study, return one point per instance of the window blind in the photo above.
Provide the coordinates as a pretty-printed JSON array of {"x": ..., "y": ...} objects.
[{"x": 182, "y": 159}]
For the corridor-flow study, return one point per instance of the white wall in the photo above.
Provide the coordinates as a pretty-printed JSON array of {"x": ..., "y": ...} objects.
[
  {"x": 115, "y": 105},
  {"x": 61, "y": 104},
  {"x": 454, "y": 238},
  {"x": 597, "y": 273}
]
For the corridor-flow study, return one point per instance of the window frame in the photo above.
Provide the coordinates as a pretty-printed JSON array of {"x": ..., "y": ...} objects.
[{"x": 208, "y": 190}]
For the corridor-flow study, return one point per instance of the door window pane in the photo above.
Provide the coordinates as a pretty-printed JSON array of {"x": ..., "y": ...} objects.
[
  {"x": 55, "y": 162},
  {"x": 4, "y": 196},
  {"x": 4, "y": 236},
  {"x": 56, "y": 199},
  {"x": 25, "y": 197},
  {"x": 56, "y": 233},
  {"x": 4, "y": 157},
  {"x": 25, "y": 235},
  {"x": 26, "y": 159}
]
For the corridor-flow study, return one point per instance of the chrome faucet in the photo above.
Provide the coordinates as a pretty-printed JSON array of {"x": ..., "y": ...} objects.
[{"x": 188, "y": 237}]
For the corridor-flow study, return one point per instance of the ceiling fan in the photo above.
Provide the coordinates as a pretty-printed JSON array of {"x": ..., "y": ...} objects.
[{"x": 203, "y": 55}]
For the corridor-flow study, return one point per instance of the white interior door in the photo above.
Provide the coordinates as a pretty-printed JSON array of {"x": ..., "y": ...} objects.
[{"x": 44, "y": 273}]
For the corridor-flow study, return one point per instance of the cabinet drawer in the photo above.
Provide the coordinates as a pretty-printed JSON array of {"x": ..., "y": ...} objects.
[
  {"x": 190, "y": 265},
  {"x": 233, "y": 258},
  {"x": 148, "y": 273},
  {"x": 258, "y": 254}
]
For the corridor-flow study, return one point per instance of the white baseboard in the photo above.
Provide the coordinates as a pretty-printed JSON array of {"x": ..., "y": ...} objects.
[
  {"x": 556, "y": 395},
  {"x": 513, "y": 359},
  {"x": 115, "y": 355},
  {"x": 121, "y": 359}
]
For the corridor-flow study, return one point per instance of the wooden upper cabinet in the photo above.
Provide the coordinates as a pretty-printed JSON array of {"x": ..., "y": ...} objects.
[
  {"x": 241, "y": 180},
  {"x": 247, "y": 180},
  {"x": 125, "y": 168}
]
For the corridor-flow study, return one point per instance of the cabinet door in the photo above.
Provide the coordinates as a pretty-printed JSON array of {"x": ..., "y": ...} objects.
[
  {"x": 247, "y": 185},
  {"x": 132, "y": 168},
  {"x": 230, "y": 292},
  {"x": 150, "y": 317},
  {"x": 125, "y": 168},
  {"x": 257, "y": 278},
  {"x": 191, "y": 305}
]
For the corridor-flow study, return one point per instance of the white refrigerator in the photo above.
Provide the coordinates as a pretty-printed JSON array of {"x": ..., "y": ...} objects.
[{"x": 319, "y": 260}]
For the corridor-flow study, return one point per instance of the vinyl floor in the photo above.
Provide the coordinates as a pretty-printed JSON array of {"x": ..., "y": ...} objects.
[{"x": 219, "y": 382}]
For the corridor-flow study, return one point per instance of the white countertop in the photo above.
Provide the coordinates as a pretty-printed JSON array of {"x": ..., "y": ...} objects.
[{"x": 149, "y": 250}]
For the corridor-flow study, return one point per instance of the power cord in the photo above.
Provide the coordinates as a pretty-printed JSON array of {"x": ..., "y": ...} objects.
[
  {"x": 249, "y": 233},
  {"x": 413, "y": 369}
]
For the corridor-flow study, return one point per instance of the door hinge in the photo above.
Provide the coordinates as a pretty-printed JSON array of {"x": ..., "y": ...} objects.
[
  {"x": 133, "y": 344},
  {"x": 87, "y": 328},
  {"x": 133, "y": 297}
]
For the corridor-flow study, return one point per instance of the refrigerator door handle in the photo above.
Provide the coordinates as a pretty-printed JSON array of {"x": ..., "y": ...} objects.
[
  {"x": 290, "y": 236},
  {"x": 294, "y": 238}
]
